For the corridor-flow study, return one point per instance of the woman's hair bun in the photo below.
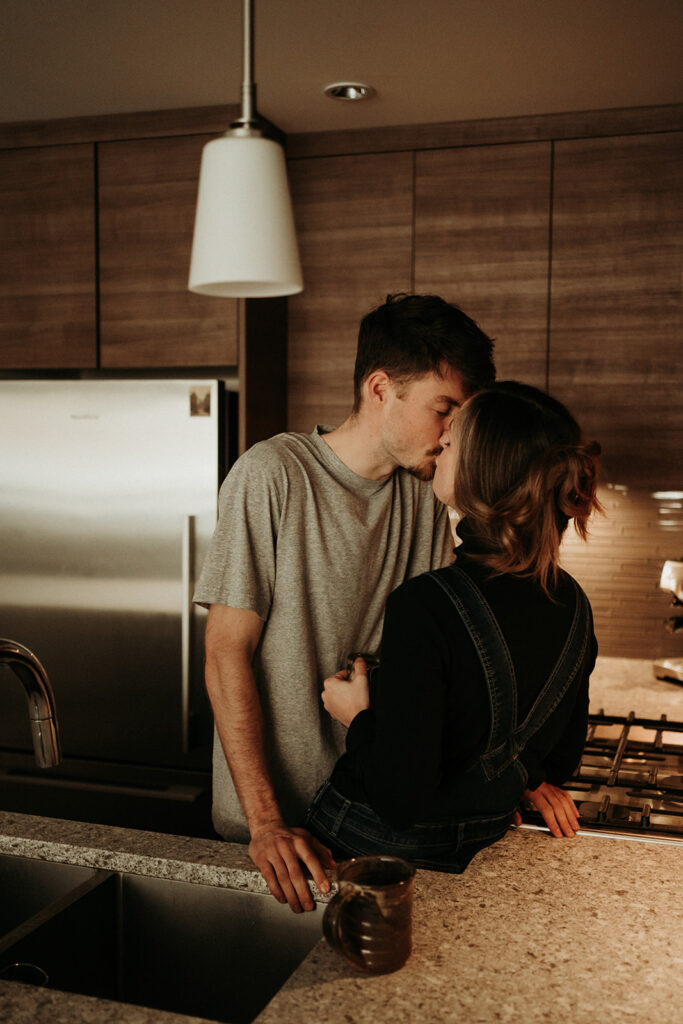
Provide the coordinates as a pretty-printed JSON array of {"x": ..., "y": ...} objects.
[{"x": 523, "y": 472}]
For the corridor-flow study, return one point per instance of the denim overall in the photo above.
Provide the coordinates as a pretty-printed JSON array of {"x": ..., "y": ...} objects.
[{"x": 484, "y": 798}]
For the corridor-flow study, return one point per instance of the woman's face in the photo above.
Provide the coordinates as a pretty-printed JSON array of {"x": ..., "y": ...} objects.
[{"x": 444, "y": 476}]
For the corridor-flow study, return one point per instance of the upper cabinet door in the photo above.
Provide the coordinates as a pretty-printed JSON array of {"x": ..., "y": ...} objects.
[
  {"x": 481, "y": 241},
  {"x": 616, "y": 351},
  {"x": 354, "y": 223},
  {"x": 47, "y": 270},
  {"x": 148, "y": 318}
]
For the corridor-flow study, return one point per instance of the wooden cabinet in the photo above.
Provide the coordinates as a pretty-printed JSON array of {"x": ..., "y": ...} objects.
[
  {"x": 615, "y": 329},
  {"x": 96, "y": 222},
  {"x": 148, "y": 318},
  {"x": 96, "y": 254},
  {"x": 482, "y": 217},
  {"x": 47, "y": 270},
  {"x": 96, "y": 236},
  {"x": 470, "y": 224},
  {"x": 354, "y": 224}
]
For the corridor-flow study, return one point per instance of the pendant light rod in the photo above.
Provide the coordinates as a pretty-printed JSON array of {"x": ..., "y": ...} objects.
[{"x": 249, "y": 118}]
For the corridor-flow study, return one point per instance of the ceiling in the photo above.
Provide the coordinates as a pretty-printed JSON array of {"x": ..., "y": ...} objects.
[{"x": 429, "y": 60}]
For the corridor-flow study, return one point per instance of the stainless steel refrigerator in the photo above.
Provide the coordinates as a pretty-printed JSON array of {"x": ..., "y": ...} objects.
[{"x": 108, "y": 497}]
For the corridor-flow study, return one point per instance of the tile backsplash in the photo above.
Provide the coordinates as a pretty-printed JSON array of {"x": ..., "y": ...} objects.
[{"x": 620, "y": 567}]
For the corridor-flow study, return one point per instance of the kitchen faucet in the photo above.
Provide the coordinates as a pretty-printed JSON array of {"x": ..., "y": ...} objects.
[{"x": 41, "y": 701}]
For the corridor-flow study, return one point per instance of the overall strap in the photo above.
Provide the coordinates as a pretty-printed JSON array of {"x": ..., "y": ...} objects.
[
  {"x": 568, "y": 664},
  {"x": 507, "y": 738},
  {"x": 493, "y": 651}
]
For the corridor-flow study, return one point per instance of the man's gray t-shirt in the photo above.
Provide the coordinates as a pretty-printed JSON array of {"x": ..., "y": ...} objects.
[{"x": 314, "y": 550}]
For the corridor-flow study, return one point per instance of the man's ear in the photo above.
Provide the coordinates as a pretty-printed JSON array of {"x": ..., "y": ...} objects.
[{"x": 377, "y": 387}]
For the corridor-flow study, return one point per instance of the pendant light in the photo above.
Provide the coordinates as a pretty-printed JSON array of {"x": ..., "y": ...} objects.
[{"x": 244, "y": 239}]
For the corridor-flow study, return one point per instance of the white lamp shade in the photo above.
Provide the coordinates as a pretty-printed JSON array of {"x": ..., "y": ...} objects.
[{"x": 244, "y": 238}]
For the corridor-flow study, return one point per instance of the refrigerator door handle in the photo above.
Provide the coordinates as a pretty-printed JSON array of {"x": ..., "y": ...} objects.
[{"x": 186, "y": 631}]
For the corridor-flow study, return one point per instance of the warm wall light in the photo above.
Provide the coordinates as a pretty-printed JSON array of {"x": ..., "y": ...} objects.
[{"x": 244, "y": 238}]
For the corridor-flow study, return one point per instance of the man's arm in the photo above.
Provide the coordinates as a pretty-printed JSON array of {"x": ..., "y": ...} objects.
[{"x": 232, "y": 635}]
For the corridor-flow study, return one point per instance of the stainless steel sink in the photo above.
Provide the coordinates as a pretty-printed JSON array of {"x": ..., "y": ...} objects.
[
  {"x": 178, "y": 946},
  {"x": 28, "y": 886}
]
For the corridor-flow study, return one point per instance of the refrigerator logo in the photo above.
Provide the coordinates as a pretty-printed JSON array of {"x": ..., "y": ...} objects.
[{"x": 200, "y": 401}]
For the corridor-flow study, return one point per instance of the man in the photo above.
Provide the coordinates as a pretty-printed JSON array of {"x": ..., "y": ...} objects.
[{"x": 315, "y": 531}]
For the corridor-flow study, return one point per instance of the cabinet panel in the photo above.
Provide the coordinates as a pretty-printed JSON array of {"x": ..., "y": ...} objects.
[
  {"x": 615, "y": 351},
  {"x": 47, "y": 271},
  {"x": 147, "y": 197},
  {"x": 354, "y": 224},
  {"x": 481, "y": 241}
]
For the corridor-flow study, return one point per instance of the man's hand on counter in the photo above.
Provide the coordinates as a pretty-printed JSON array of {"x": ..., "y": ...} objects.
[
  {"x": 556, "y": 807},
  {"x": 279, "y": 852}
]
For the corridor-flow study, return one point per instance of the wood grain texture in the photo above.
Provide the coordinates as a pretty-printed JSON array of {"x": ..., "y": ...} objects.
[
  {"x": 215, "y": 119},
  {"x": 47, "y": 271},
  {"x": 144, "y": 124},
  {"x": 615, "y": 355},
  {"x": 262, "y": 361},
  {"x": 494, "y": 130},
  {"x": 482, "y": 219},
  {"x": 354, "y": 224},
  {"x": 147, "y": 194}
]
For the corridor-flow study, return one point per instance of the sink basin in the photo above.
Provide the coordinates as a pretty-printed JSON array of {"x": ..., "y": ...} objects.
[
  {"x": 29, "y": 886},
  {"x": 178, "y": 946}
]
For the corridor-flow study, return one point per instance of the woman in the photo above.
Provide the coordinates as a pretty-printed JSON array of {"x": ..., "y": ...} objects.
[{"x": 481, "y": 696}]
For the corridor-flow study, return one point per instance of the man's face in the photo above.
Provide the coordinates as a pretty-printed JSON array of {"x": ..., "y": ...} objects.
[{"x": 418, "y": 415}]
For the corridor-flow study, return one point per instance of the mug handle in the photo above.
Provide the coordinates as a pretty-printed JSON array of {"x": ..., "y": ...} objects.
[{"x": 332, "y": 918}]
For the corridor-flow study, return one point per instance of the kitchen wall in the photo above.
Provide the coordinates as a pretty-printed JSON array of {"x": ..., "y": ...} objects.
[{"x": 620, "y": 566}]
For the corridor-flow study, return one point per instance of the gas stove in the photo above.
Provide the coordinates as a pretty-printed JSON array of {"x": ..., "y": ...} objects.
[{"x": 630, "y": 780}]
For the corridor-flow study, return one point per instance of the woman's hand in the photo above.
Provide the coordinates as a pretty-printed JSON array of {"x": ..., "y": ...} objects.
[
  {"x": 345, "y": 696},
  {"x": 556, "y": 807}
]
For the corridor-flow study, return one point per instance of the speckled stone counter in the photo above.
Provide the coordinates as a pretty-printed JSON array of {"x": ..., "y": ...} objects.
[
  {"x": 121, "y": 849},
  {"x": 535, "y": 930},
  {"x": 620, "y": 685}
]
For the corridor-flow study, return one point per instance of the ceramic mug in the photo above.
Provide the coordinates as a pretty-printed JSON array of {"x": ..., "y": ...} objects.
[{"x": 369, "y": 919}]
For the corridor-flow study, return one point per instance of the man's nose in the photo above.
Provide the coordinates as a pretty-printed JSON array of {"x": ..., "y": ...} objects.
[{"x": 445, "y": 438}]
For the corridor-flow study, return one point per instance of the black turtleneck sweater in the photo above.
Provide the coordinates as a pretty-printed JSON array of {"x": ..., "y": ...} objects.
[{"x": 429, "y": 706}]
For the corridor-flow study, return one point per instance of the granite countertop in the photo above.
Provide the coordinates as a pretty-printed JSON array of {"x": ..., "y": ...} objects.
[
  {"x": 536, "y": 928},
  {"x": 620, "y": 685}
]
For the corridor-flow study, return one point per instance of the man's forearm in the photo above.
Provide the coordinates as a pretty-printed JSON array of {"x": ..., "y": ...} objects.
[
  {"x": 232, "y": 636},
  {"x": 239, "y": 720}
]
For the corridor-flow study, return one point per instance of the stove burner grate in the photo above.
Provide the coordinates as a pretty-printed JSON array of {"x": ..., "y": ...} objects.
[{"x": 630, "y": 778}]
